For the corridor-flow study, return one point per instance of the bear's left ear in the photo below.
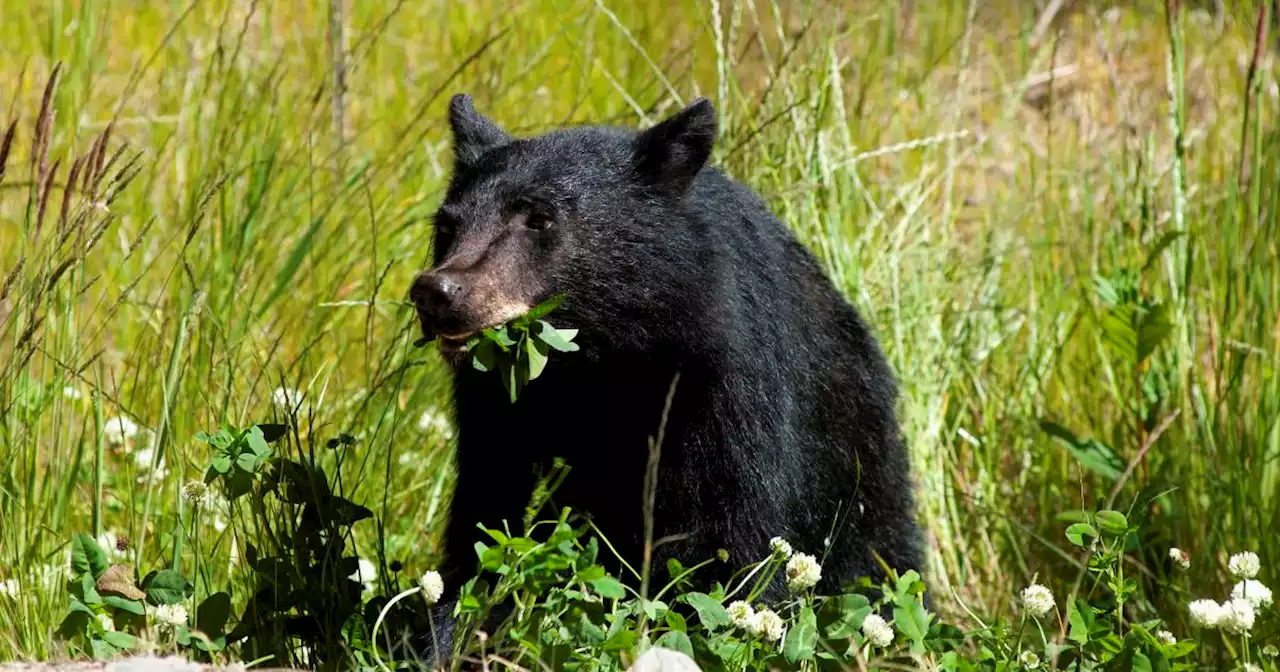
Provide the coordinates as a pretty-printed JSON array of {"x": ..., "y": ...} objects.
[
  {"x": 473, "y": 133},
  {"x": 673, "y": 151}
]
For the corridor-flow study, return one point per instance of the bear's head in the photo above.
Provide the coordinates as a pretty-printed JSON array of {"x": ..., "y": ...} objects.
[{"x": 591, "y": 212}]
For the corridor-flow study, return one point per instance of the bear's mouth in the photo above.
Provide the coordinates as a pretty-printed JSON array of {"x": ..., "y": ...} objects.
[{"x": 455, "y": 343}]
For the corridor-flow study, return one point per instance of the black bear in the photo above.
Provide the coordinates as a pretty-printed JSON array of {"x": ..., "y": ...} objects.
[{"x": 782, "y": 422}]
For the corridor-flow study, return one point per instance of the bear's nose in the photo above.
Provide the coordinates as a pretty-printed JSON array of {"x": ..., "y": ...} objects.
[{"x": 434, "y": 290}]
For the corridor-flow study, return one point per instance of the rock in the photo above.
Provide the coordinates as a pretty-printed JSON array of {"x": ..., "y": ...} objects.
[{"x": 659, "y": 659}]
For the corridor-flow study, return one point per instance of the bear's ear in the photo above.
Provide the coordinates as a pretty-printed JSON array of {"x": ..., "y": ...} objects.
[
  {"x": 473, "y": 133},
  {"x": 673, "y": 151}
]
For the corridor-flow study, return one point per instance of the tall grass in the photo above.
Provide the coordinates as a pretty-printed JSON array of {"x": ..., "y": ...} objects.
[{"x": 964, "y": 173}]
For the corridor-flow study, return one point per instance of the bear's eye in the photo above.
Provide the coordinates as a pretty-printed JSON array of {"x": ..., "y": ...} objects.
[{"x": 537, "y": 222}]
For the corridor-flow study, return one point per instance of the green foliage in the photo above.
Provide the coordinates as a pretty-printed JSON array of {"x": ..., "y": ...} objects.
[{"x": 520, "y": 349}]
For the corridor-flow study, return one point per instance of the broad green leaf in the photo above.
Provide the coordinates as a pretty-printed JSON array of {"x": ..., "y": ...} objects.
[
  {"x": 87, "y": 556},
  {"x": 212, "y": 614},
  {"x": 167, "y": 587},
  {"x": 676, "y": 641},
  {"x": 801, "y": 638},
  {"x": 536, "y": 354},
  {"x": 248, "y": 462},
  {"x": 74, "y": 624},
  {"x": 842, "y": 616},
  {"x": 1080, "y": 618},
  {"x": 120, "y": 640},
  {"x": 910, "y": 617},
  {"x": 558, "y": 339},
  {"x": 484, "y": 356},
  {"x": 257, "y": 442},
  {"x": 712, "y": 614},
  {"x": 1113, "y": 522},
  {"x": 675, "y": 621},
  {"x": 607, "y": 586},
  {"x": 542, "y": 309},
  {"x": 101, "y": 649},
  {"x": 221, "y": 463},
  {"x": 131, "y": 606},
  {"x": 1077, "y": 532}
]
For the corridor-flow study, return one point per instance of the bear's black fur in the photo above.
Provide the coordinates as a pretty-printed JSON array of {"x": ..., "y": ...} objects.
[{"x": 783, "y": 421}]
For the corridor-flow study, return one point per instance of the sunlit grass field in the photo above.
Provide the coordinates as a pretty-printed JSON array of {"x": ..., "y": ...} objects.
[{"x": 994, "y": 186}]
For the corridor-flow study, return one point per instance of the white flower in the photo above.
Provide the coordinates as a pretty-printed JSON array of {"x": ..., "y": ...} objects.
[
  {"x": 105, "y": 622},
  {"x": 1244, "y": 565},
  {"x": 1030, "y": 660},
  {"x": 109, "y": 542},
  {"x": 780, "y": 547},
  {"x": 1250, "y": 667},
  {"x": 198, "y": 493},
  {"x": 1270, "y": 651},
  {"x": 803, "y": 572},
  {"x": 366, "y": 573},
  {"x": 1206, "y": 613},
  {"x": 767, "y": 624},
  {"x": 142, "y": 458},
  {"x": 72, "y": 392},
  {"x": 119, "y": 430},
  {"x": 10, "y": 588},
  {"x": 1165, "y": 637},
  {"x": 1180, "y": 558},
  {"x": 432, "y": 586},
  {"x": 741, "y": 613},
  {"x": 877, "y": 631},
  {"x": 286, "y": 398},
  {"x": 1237, "y": 617},
  {"x": 1254, "y": 591},
  {"x": 1037, "y": 600},
  {"x": 171, "y": 615},
  {"x": 435, "y": 421}
]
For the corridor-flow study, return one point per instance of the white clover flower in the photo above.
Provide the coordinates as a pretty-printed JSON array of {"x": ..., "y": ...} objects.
[
  {"x": 432, "y": 586},
  {"x": 780, "y": 547},
  {"x": 1037, "y": 600},
  {"x": 435, "y": 421},
  {"x": 741, "y": 613},
  {"x": 366, "y": 573},
  {"x": 1180, "y": 558},
  {"x": 1165, "y": 637},
  {"x": 198, "y": 493},
  {"x": 10, "y": 588},
  {"x": 119, "y": 430},
  {"x": 142, "y": 458},
  {"x": 1206, "y": 613},
  {"x": 1030, "y": 660},
  {"x": 1270, "y": 651},
  {"x": 803, "y": 572},
  {"x": 170, "y": 615},
  {"x": 768, "y": 625},
  {"x": 105, "y": 622},
  {"x": 1237, "y": 617},
  {"x": 1244, "y": 565},
  {"x": 286, "y": 398},
  {"x": 1254, "y": 591},
  {"x": 877, "y": 631},
  {"x": 1250, "y": 667}
]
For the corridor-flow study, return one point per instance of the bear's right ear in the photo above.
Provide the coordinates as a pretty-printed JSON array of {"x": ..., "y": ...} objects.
[
  {"x": 672, "y": 151},
  {"x": 473, "y": 133}
]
